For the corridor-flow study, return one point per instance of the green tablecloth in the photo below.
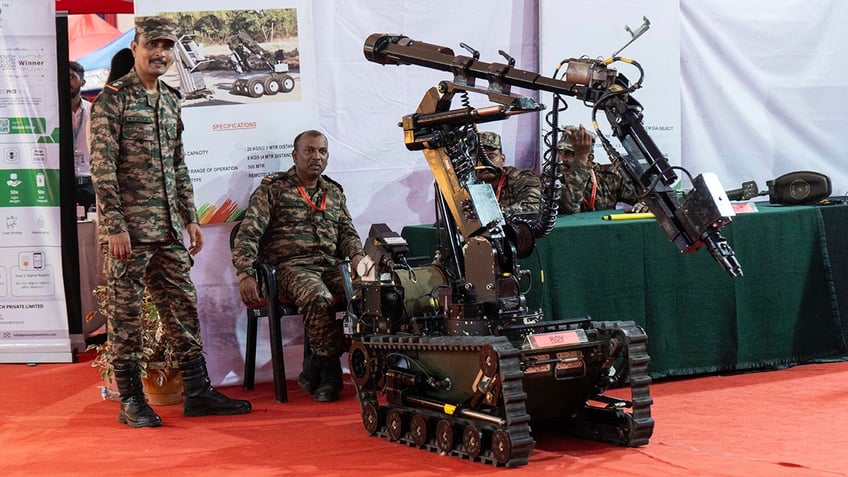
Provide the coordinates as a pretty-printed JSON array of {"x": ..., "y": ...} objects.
[{"x": 784, "y": 310}]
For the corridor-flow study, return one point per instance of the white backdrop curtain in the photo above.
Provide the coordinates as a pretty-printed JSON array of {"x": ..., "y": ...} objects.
[{"x": 763, "y": 89}]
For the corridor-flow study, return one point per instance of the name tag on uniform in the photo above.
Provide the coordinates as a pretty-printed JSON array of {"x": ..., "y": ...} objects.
[{"x": 139, "y": 119}]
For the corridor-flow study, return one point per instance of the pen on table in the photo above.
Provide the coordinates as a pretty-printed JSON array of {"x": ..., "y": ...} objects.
[{"x": 634, "y": 216}]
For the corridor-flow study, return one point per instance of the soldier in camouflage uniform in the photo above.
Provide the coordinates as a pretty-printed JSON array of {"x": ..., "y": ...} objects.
[
  {"x": 298, "y": 221},
  {"x": 518, "y": 190},
  {"x": 588, "y": 185},
  {"x": 145, "y": 197}
]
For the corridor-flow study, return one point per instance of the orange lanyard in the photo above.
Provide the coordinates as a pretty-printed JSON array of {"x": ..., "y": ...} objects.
[
  {"x": 319, "y": 208},
  {"x": 594, "y": 194},
  {"x": 500, "y": 186}
]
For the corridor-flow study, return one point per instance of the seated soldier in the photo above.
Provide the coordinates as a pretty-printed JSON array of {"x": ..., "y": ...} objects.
[
  {"x": 588, "y": 185},
  {"x": 518, "y": 191},
  {"x": 300, "y": 219}
]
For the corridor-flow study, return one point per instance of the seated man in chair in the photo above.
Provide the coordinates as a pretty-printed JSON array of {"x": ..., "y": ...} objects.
[{"x": 298, "y": 222}]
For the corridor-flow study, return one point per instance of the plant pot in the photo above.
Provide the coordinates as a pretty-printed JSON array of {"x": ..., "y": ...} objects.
[{"x": 163, "y": 387}]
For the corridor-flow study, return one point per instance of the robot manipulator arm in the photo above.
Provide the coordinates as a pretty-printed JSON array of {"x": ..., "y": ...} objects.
[
  {"x": 691, "y": 221},
  {"x": 704, "y": 210},
  {"x": 691, "y": 224},
  {"x": 388, "y": 251}
]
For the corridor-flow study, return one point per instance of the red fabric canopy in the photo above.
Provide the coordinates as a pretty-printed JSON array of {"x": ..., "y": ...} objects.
[
  {"x": 87, "y": 33},
  {"x": 94, "y": 6}
]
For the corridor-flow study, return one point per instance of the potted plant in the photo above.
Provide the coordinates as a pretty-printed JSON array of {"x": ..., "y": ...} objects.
[{"x": 160, "y": 376}]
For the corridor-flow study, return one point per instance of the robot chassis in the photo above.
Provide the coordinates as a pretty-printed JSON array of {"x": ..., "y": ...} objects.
[{"x": 447, "y": 357}]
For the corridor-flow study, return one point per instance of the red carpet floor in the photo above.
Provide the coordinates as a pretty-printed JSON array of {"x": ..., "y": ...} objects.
[{"x": 791, "y": 422}]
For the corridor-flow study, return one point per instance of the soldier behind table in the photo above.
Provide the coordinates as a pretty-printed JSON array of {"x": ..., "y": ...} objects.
[
  {"x": 145, "y": 197},
  {"x": 588, "y": 185},
  {"x": 518, "y": 190},
  {"x": 298, "y": 222}
]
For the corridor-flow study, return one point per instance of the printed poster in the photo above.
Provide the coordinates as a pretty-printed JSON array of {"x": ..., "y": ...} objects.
[
  {"x": 33, "y": 315},
  {"x": 245, "y": 72}
]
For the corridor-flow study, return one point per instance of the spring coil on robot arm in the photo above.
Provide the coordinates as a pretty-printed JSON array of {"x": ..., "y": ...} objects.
[
  {"x": 457, "y": 143},
  {"x": 549, "y": 176}
]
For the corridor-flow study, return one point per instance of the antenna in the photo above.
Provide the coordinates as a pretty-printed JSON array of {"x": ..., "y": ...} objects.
[{"x": 634, "y": 34}]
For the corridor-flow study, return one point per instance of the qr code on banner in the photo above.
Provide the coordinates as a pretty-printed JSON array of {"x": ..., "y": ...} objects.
[
  {"x": 4, "y": 125},
  {"x": 7, "y": 61}
]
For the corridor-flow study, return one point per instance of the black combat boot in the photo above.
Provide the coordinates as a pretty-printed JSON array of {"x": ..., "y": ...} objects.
[
  {"x": 135, "y": 412},
  {"x": 201, "y": 399},
  {"x": 310, "y": 377},
  {"x": 331, "y": 379}
]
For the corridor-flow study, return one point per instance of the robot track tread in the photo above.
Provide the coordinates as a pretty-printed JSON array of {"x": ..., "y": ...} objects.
[
  {"x": 508, "y": 444},
  {"x": 631, "y": 429}
]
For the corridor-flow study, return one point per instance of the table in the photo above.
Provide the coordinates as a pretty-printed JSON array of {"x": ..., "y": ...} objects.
[{"x": 791, "y": 305}]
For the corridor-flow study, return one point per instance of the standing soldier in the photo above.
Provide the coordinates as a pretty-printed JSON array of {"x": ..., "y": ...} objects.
[
  {"x": 518, "y": 191},
  {"x": 145, "y": 197},
  {"x": 298, "y": 222}
]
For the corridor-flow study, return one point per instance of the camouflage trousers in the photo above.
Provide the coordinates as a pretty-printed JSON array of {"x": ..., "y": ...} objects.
[
  {"x": 311, "y": 288},
  {"x": 162, "y": 269}
]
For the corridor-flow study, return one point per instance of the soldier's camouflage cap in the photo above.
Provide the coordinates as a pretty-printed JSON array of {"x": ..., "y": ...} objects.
[
  {"x": 490, "y": 139},
  {"x": 155, "y": 28},
  {"x": 564, "y": 143}
]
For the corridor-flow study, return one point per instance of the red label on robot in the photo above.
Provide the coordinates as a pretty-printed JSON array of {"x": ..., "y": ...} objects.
[{"x": 559, "y": 338}]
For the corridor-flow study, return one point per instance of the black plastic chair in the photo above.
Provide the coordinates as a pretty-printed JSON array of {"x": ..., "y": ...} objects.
[{"x": 275, "y": 309}]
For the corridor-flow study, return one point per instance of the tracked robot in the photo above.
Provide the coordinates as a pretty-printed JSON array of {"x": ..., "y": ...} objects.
[{"x": 448, "y": 357}]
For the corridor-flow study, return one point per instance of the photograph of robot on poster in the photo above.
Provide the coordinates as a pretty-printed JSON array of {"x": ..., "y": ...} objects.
[{"x": 236, "y": 56}]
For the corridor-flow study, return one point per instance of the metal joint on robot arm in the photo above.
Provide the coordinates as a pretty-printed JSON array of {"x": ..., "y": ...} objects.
[
  {"x": 459, "y": 68},
  {"x": 495, "y": 94},
  {"x": 647, "y": 163},
  {"x": 723, "y": 254},
  {"x": 703, "y": 212},
  {"x": 387, "y": 248},
  {"x": 592, "y": 78},
  {"x": 424, "y": 130},
  {"x": 695, "y": 220},
  {"x": 497, "y": 72}
]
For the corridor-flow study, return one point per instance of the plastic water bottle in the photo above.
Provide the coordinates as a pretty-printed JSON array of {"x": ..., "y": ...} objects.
[{"x": 110, "y": 394}]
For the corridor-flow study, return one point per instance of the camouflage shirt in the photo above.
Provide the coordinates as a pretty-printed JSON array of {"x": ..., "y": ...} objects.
[
  {"x": 520, "y": 192},
  {"x": 137, "y": 164},
  {"x": 287, "y": 230},
  {"x": 576, "y": 194}
]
